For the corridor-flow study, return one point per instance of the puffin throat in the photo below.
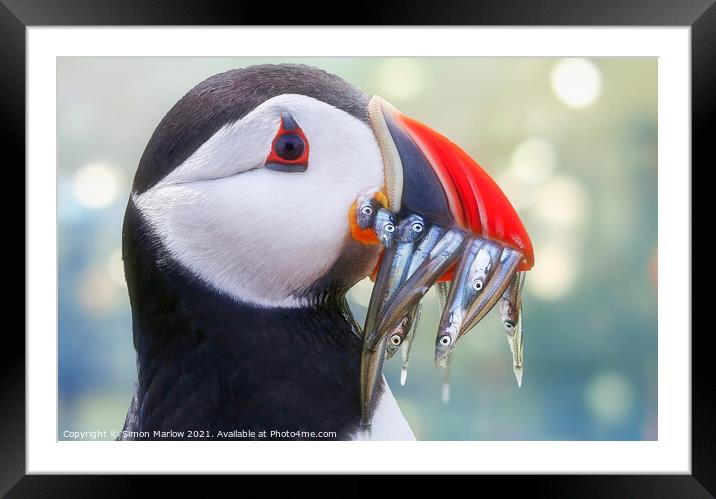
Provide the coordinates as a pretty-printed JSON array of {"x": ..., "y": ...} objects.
[{"x": 206, "y": 361}]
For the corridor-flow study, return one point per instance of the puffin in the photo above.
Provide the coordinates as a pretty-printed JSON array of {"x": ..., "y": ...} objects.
[{"x": 241, "y": 238}]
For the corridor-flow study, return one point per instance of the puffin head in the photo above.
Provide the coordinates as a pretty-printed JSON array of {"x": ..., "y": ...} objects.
[{"x": 259, "y": 179}]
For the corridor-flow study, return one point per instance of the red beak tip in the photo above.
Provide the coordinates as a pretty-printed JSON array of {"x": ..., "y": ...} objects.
[
  {"x": 476, "y": 202},
  {"x": 442, "y": 182}
]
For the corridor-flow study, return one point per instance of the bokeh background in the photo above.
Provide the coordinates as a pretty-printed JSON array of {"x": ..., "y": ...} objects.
[{"x": 571, "y": 141}]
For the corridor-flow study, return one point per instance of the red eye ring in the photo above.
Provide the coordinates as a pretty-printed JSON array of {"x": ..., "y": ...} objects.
[{"x": 289, "y": 148}]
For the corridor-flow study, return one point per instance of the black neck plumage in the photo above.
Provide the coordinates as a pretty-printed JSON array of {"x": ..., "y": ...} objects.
[{"x": 207, "y": 363}]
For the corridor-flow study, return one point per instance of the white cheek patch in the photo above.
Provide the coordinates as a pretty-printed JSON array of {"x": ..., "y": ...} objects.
[{"x": 263, "y": 236}]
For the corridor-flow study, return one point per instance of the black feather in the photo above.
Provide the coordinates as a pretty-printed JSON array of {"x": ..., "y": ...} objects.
[
  {"x": 207, "y": 362},
  {"x": 228, "y": 97}
]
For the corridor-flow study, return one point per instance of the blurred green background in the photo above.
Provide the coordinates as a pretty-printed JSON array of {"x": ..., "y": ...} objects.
[{"x": 571, "y": 141}]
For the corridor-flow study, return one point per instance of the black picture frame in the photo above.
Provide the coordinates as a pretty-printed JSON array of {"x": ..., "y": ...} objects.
[{"x": 17, "y": 15}]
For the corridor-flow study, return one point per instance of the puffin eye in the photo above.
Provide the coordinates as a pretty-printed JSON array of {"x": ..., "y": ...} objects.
[{"x": 289, "y": 149}]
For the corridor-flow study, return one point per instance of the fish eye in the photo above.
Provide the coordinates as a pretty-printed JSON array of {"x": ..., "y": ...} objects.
[
  {"x": 367, "y": 210},
  {"x": 509, "y": 325},
  {"x": 417, "y": 227},
  {"x": 445, "y": 340},
  {"x": 477, "y": 284},
  {"x": 395, "y": 339},
  {"x": 389, "y": 227},
  {"x": 289, "y": 146}
]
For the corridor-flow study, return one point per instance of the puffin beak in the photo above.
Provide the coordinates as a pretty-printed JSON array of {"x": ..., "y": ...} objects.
[
  {"x": 429, "y": 175},
  {"x": 472, "y": 237}
]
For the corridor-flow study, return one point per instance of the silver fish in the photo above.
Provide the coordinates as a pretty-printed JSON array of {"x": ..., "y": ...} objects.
[
  {"x": 477, "y": 265},
  {"x": 496, "y": 285},
  {"x": 405, "y": 328},
  {"x": 422, "y": 252},
  {"x": 371, "y": 368},
  {"x": 408, "y": 295},
  {"x": 384, "y": 225},
  {"x": 366, "y": 210},
  {"x": 445, "y": 253},
  {"x": 396, "y": 338},
  {"x": 511, "y": 315},
  {"x": 392, "y": 273},
  {"x": 425, "y": 247},
  {"x": 407, "y": 344},
  {"x": 443, "y": 289}
]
